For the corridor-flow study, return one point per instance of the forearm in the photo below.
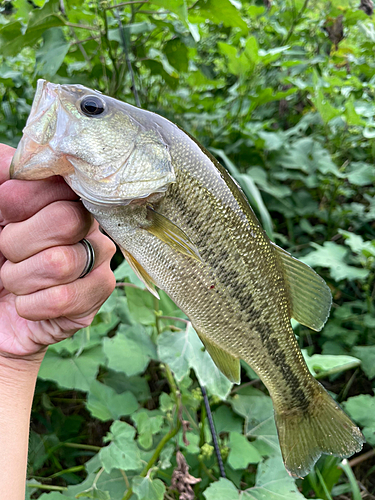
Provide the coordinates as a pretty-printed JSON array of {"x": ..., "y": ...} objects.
[{"x": 17, "y": 384}]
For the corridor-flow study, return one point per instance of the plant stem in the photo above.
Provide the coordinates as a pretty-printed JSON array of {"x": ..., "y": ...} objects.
[
  {"x": 295, "y": 21},
  {"x": 128, "y": 62},
  {"x": 155, "y": 456},
  {"x": 82, "y": 446},
  {"x": 77, "y": 468},
  {"x": 47, "y": 487},
  {"x": 122, "y": 4}
]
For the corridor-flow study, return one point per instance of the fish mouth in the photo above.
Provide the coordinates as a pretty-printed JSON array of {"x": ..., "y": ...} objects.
[{"x": 34, "y": 158}]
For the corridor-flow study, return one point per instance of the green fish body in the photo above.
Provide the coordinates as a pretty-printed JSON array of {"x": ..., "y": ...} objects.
[{"x": 185, "y": 226}]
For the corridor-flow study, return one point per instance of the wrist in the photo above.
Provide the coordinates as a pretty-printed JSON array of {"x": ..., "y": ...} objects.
[{"x": 16, "y": 369}]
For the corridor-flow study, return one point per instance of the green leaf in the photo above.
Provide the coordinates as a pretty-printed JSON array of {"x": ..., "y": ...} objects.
[
  {"x": 367, "y": 355},
  {"x": 322, "y": 365},
  {"x": 13, "y": 37},
  {"x": 257, "y": 409},
  {"x": 130, "y": 350},
  {"x": 94, "y": 492},
  {"x": 148, "y": 489},
  {"x": 51, "y": 55},
  {"x": 221, "y": 490},
  {"x": 183, "y": 351},
  {"x": 177, "y": 54},
  {"x": 226, "y": 420},
  {"x": 220, "y": 11},
  {"x": 273, "y": 483},
  {"x": 105, "y": 404},
  {"x": 362, "y": 409},
  {"x": 55, "y": 496},
  {"x": 141, "y": 306},
  {"x": 147, "y": 424},
  {"x": 122, "y": 452},
  {"x": 361, "y": 174},
  {"x": 332, "y": 256},
  {"x": 242, "y": 452},
  {"x": 325, "y": 108},
  {"x": 72, "y": 372}
]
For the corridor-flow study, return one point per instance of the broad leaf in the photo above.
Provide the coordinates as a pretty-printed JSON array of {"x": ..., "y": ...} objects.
[
  {"x": 122, "y": 452},
  {"x": 182, "y": 351},
  {"x": 130, "y": 350}
]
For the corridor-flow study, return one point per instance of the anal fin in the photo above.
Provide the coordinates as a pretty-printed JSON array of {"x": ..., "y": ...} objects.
[
  {"x": 229, "y": 365},
  {"x": 169, "y": 233},
  {"x": 140, "y": 272}
]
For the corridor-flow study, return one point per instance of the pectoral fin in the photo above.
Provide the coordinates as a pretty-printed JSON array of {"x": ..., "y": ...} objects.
[
  {"x": 172, "y": 235},
  {"x": 310, "y": 297},
  {"x": 227, "y": 364},
  {"x": 141, "y": 273}
]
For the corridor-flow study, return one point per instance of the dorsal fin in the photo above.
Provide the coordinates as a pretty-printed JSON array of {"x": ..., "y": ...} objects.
[
  {"x": 140, "y": 272},
  {"x": 310, "y": 296}
]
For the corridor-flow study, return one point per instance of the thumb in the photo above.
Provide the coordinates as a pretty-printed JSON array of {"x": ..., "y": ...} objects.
[{"x": 6, "y": 155}]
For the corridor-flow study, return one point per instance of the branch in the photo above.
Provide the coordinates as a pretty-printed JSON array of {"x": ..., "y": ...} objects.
[
  {"x": 126, "y": 3},
  {"x": 128, "y": 62},
  {"x": 295, "y": 21}
]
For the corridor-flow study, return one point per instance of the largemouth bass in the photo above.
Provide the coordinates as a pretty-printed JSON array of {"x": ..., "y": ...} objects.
[{"x": 185, "y": 226}]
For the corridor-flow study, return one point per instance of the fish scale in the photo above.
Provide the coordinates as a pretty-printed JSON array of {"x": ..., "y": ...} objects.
[{"x": 185, "y": 226}]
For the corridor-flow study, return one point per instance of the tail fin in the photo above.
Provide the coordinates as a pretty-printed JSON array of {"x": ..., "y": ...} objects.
[{"x": 322, "y": 428}]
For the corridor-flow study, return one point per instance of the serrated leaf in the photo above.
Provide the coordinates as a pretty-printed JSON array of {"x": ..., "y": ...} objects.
[
  {"x": 257, "y": 409},
  {"x": 94, "y": 492},
  {"x": 332, "y": 255},
  {"x": 73, "y": 372},
  {"x": 130, "y": 350},
  {"x": 182, "y": 351},
  {"x": 147, "y": 424},
  {"x": 122, "y": 452},
  {"x": 104, "y": 403},
  {"x": 148, "y": 489},
  {"x": 221, "y": 490},
  {"x": 273, "y": 483},
  {"x": 367, "y": 355},
  {"x": 242, "y": 452}
]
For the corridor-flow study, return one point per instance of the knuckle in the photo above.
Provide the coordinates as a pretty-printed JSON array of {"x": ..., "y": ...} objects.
[
  {"x": 8, "y": 242},
  {"x": 61, "y": 298},
  {"x": 72, "y": 219},
  {"x": 6, "y": 275},
  {"x": 59, "y": 262}
]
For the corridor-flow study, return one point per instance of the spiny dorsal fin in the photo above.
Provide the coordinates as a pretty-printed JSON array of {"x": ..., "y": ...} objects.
[
  {"x": 309, "y": 294},
  {"x": 172, "y": 235},
  {"x": 227, "y": 364},
  {"x": 140, "y": 272}
]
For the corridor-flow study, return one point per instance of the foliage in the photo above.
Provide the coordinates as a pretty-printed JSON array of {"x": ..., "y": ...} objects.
[{"x": 284, "y": 97}]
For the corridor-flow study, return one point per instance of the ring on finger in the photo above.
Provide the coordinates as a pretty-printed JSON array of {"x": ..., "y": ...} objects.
[{"x": 90, "y": 262}]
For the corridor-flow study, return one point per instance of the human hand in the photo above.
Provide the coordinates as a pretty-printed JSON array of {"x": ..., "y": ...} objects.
[{"x": 42, "y": 301}]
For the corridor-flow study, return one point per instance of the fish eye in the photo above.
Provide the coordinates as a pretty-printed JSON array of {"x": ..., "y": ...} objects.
[{"x": 92, "y": 105}]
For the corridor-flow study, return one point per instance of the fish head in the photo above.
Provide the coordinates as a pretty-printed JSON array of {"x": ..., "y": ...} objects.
[{"x": 108, "y": 151}]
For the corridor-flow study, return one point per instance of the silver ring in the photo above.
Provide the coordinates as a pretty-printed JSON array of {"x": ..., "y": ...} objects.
[{"x": 90, "y": 258}]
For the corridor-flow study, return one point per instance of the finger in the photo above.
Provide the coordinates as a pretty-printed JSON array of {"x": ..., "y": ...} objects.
[
  {"x": 55, "y": 266},
  {"x": 20, "y": 200},
  {"x": 79, "y": 299},
  {"x": 58, "y": 224},
  {"x": 6, "y": 155}
]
